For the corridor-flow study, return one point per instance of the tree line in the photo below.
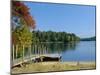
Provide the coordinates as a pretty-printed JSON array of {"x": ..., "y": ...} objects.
[
  {"x": 51, "y": 36},
  {"x": 89, "y": 39}
]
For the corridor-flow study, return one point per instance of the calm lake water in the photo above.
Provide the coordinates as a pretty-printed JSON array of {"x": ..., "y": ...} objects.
[
  {"x": 83, "y": 51},
  {"x": 74, "y": 51}
]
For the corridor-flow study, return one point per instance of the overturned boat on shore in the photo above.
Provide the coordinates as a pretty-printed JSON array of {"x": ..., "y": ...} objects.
[{"x": 47, "y": 58}]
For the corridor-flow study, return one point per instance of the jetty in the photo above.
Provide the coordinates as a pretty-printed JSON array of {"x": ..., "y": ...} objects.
[{"x": 38, "y": 56}]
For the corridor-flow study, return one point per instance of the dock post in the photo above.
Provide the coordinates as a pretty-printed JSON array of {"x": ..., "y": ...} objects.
[
  {"x": 45, "y": 50},
  {"x": 16, "y": 50},
  {"x": 30, "y": 52},
  {"x": 41, "y": 58},
  {"x": 42, "y": 48},
  {"x": 78, "y": 63},
  {"x": 13, "y": 54},
  {"x": 34, "y": 49},
  {"x": 37, "y": 50},
  {"x": 23, "y": 55}
]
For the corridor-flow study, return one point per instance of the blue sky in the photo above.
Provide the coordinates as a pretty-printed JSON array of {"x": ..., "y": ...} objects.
[{"x": 69, "y": 18}]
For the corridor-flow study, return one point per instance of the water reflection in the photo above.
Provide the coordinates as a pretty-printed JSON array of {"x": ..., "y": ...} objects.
[
  {"x": 73, "y": 51},
  {"x": 48, "y": 48}
]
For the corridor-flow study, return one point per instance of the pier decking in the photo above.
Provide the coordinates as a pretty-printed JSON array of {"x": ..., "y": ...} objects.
[{"x": 33, "y": 57}]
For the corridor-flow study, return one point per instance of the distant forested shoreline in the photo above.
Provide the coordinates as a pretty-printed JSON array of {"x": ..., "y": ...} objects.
[
  {"x": 51, "y": 36},
  {"x": 89, "y": 39}
]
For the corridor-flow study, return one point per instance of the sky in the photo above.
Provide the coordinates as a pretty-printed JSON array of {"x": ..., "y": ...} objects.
[{"x": 77, "y": 19}]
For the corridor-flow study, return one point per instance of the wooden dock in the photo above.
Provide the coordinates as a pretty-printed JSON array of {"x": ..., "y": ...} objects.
[
  {"x": 33, "y": 53},
  {"x": 33, "y": 57}
]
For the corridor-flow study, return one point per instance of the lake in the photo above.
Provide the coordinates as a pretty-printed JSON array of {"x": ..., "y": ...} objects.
[
  {"x": 83, "y": 51},
  {"x": 73, "y": 51}
]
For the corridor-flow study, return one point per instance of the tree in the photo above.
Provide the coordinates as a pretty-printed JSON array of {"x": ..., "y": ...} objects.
[
  {"x": 22, "y": 36},
  {"x": 19, "y": 9},
  {"x": 21, "y": 21}
]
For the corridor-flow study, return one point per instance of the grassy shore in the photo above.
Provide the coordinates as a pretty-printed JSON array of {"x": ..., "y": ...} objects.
[{"x": 53, "y": 66}]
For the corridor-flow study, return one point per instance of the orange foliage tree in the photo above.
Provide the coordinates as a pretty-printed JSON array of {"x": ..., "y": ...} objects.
[
  {"x": 22, "y": 35},
  {"x": 21, "y": 10}
]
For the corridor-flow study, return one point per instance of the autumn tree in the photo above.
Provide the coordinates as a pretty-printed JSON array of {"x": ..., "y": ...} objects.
[
  {"x": 19, "y": 9},
  {"x": 22, "y": 22}
]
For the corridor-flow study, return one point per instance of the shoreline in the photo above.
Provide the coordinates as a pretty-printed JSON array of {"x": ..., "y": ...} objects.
[{"x": 54, "y": 66}]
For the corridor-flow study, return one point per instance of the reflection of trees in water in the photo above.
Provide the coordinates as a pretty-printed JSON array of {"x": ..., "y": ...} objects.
[
  {"x": 43, "y": 48},
  {"x": 48, "y": 47},
  {"x": 59, "y": 47}
]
